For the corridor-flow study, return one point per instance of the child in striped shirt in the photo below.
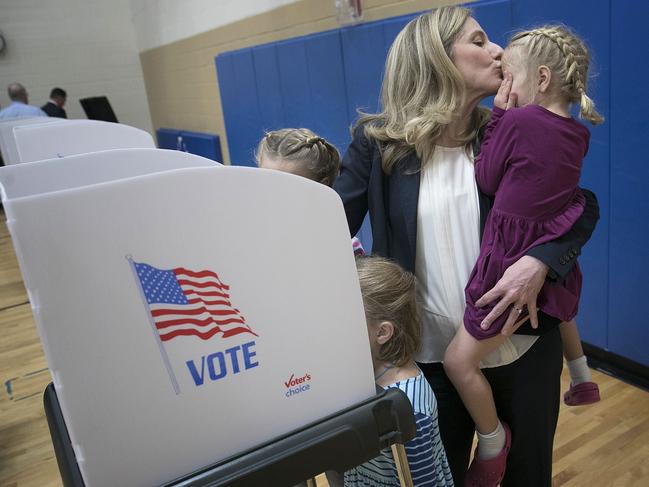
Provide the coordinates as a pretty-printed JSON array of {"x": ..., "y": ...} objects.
[{"x": 394, "y": 329}]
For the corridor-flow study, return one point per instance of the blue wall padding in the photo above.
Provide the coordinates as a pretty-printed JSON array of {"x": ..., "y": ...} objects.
[
  {"x": 391, "y": 27},
  {"x": 313, "y": 86},
  {"x": 205, "y": 145},
  {"x": 628, "y": 331},
  {"x": 294, "y": 82},
  {"x": 320, "y": 80},
  {"x": 271, "y": 102},
  {"x": 328, "y": 115},
  {"x": 364, "y": 51},
  {"x": 363, "y": 65},
  {"x": 237, "y": 81},
  {"x": 167, "y": 138}
]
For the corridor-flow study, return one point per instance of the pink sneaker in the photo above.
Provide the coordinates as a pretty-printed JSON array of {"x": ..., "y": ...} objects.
[
  {"x": 582, "y": 394},
  {"x": 489, "y": 473}
]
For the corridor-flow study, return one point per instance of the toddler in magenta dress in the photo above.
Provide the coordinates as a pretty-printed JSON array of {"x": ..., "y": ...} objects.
[{"x": 530, "y": 159}]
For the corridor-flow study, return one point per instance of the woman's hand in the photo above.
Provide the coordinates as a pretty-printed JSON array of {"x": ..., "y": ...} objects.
[
  {"x": 520, "y": 285},
  {"x": 505, "y": 99}
]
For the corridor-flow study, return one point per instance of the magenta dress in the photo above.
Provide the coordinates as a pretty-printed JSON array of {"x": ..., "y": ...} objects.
[{"x": 531, "y": 160}]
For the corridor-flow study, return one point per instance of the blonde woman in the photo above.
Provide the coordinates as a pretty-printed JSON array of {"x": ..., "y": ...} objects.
[{"x": 411, "y": 167}]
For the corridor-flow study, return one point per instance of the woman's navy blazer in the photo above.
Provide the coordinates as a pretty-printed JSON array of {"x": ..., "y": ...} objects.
[{"x": 392, "y": 203}]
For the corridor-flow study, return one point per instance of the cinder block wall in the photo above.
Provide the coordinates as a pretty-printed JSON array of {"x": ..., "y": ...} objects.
[
  {"x": 180, "y": 77},
  {"x": 86, "y": 47}
]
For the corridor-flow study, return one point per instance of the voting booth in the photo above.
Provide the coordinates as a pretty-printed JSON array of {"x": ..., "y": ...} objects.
[
  {"x": 38, "y": 142},
  {"x": 8, "y": 147},
  {"x": 52, "y": 175},
  {"x": 202, "y": 325}
]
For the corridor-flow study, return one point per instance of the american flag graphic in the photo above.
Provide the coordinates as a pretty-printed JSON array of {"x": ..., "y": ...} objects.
[{"x": 183, "y": 302}]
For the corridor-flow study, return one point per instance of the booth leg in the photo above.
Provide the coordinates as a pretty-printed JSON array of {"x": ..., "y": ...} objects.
[{"x": 401, "y": 461}]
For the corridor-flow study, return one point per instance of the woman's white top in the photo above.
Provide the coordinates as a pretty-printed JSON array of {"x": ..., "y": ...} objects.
[{"x": 448, "y": 244}]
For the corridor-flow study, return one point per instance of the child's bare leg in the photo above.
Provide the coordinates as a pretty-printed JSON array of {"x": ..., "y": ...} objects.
[
  {"x": 574, "y": 353},
  {"x": 571, "y": 340},
  {"x": 462, "y": 365}
]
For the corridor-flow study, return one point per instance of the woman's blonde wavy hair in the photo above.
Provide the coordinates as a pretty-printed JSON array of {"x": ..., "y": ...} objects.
[
  {"x": 422, "y": 90},
  {"x": 556, "y": 47}
]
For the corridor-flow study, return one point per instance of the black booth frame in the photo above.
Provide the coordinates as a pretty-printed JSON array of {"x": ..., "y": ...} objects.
[{"x": 337, "y": 442}]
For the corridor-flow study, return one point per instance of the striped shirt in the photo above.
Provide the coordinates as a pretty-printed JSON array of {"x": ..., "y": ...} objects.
[{"x": 426, "y": 455}]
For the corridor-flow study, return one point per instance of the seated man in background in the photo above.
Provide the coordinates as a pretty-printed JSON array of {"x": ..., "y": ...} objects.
[
  {"x": 19, "y": 107},
  {"x": 54, "y": 107}
]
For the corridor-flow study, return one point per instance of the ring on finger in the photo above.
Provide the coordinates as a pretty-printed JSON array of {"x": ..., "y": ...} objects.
[{"x": 519, "y": 310}]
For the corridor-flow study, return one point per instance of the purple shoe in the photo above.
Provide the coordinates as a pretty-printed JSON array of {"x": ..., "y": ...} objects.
[
  {"x": 582, "y": 394},
  {"x": 489, "y": 473}
]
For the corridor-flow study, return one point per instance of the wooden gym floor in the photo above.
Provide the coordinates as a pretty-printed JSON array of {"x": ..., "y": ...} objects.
[{"x": 606, "y": 444}]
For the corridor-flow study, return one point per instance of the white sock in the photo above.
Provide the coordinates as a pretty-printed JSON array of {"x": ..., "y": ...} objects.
[
  {"x": 491, "y": 444},
  {"x": 579, "y": 371}
]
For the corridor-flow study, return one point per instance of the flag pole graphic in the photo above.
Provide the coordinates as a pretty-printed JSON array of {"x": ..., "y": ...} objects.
[{"x": 156, "y": 333}]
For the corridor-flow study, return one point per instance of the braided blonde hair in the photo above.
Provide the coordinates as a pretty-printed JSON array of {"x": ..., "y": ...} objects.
[
  {"x": 556, "y": 47},
  {"x": 422, "y": 90},
  {"x": 316, "y": 158}
]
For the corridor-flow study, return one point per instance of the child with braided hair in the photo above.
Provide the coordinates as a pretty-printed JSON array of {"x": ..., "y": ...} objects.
[
  {"x": 300, "y": 152},
  {"x": 303, "y": 153},
  {"x": 530, "y": 161}
]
